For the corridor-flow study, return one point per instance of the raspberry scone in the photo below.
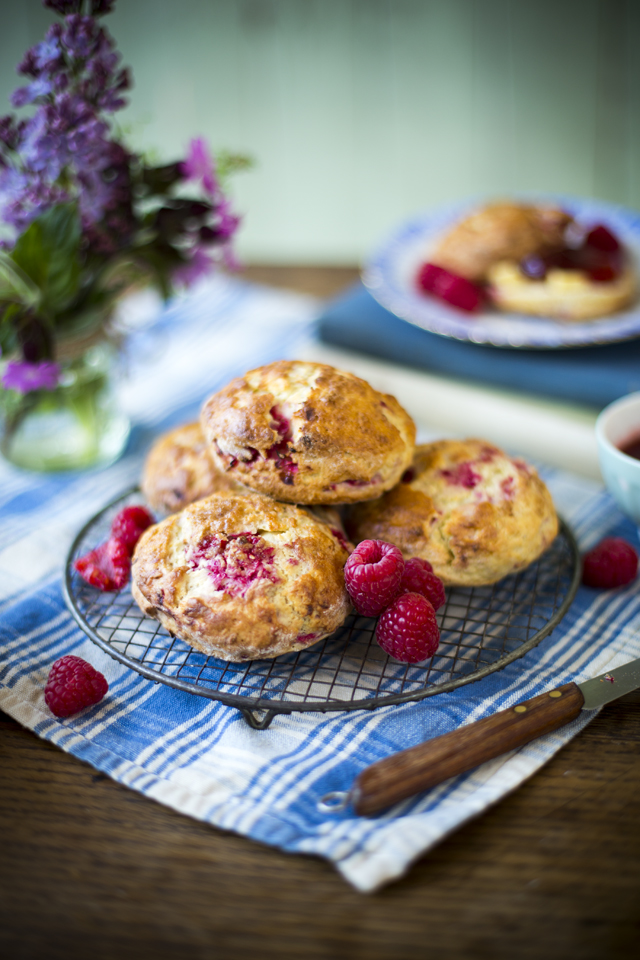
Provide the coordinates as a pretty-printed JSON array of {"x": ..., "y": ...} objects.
[
  {"x": 499, "y": 231},
  {"x": 533, "y": 259},
  {"x": 179, "y": 470},
  {"x": 467, "y": 508},
  {"x": 308, "y": 433},
  {"x": 242, "y": 577}
]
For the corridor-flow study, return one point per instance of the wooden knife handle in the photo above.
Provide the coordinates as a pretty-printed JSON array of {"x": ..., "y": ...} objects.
[{"x": 411, "y": 771}]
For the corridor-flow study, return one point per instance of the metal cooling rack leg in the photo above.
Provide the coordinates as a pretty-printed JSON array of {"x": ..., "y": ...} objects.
[{"x": 259, "y": 719}]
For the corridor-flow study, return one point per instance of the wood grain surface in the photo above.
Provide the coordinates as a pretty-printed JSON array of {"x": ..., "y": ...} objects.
[{"x": 90, "y": 870}]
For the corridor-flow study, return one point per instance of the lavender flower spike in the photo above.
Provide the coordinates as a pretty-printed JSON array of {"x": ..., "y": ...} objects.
[
  {"x": 25, "y": 377},
  {"x": 199, "y": 166}
]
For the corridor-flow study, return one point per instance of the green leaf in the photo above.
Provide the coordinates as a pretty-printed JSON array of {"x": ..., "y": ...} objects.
[
  {"x": 15, "y": 285},
  {"x": 47, "y": 252}
]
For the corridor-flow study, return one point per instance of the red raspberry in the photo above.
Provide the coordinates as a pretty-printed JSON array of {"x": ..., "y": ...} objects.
[
  {"x": 72, "y": 685},
  {"x": 372, "y": 576},
  {"x": 450, "y": 287},
  {"x": 612, "y": 563},
  {"x": 129, "y": 525},
  {"x": 418, "y": 577},
  {"x": 601, "y": 238},
  {"x": 408, "y": 630},
  {"x": 107, "y": 567}
]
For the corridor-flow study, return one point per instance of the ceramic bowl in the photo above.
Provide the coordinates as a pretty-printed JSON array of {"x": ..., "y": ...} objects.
[{"x": 618, "y": 423}]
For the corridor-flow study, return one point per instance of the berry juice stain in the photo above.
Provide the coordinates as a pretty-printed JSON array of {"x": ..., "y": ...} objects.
[{"x": 631, "y": 446}]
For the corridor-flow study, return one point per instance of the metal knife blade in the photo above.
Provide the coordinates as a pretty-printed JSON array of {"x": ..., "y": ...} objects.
[{"x": 609, "y": 686}]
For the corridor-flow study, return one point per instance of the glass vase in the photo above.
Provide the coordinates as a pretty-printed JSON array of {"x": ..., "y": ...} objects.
[{"x": 75, "y": 426}]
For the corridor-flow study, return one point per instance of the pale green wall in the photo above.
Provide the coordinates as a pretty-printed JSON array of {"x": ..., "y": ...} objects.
[{"x": 360, "y": 112}]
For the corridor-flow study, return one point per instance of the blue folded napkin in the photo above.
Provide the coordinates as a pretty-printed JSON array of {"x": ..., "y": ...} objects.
[
  {"x": 200, "y": 757},
  {"x": 594, "y": 375}
]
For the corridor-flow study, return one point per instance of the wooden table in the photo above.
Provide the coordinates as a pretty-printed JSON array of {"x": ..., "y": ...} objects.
[{"x": 91, "y": 870}]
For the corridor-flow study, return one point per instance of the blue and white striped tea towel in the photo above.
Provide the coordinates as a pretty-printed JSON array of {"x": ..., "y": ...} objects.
[{"x": 201, "y": 757}]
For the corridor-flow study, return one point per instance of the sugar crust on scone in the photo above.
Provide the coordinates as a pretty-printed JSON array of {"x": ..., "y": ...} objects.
[
  {"x": 242, "y": 577},
  {"x": 308, "y": 433},
  {"x": 474, "y": 513},
  {"x": 179, "y": 470}
]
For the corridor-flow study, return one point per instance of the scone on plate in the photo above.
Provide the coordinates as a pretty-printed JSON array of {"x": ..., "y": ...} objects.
[
  {"x": 499, "y": 231},
  {"x": 474, "y": 513},
  {"x": 308, "y": 433},
  {"x": 179, "y": 470},
  {"x": 565, "y": 294},
  {"x": 242, "y": 577},
  {"x": 533, "y": 259}
]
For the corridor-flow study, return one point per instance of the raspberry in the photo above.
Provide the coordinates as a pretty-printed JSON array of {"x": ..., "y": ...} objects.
[
  {"x": 602, "y": 238},
  {"x": 418, "y": 577},
  {"x": 450, "y": 287},
  {"x": 408, "y": 630},
  {"x": 372, "y": 576},
  {"x": 73, "y": 684},
  {"x": 107, "y": 567},
  {"x": 612, "y": 563},
  {"x": 130, "y": 524}
]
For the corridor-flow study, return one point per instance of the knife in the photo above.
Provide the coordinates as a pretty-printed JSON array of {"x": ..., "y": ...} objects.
[{"x": 424, "y": 766}]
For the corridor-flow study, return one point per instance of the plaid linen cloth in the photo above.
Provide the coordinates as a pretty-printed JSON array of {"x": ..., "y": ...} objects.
[{"x": 201, "y": 757}]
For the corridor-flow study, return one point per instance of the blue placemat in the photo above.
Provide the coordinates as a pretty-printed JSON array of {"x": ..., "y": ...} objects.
[
  {"x": 594, "y": 375},
  {"x": 200, "y": 757}
]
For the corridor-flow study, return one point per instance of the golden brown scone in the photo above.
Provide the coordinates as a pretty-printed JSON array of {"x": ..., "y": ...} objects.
[
  {"x": 179, "y": 469},
  {"x": 474, "y": 513},
  {"x": 242, "y": 577},
  {"x": 566, "y": 294},
  {"x": 308, "y": 433},
  {"x": 499, "y": 231}
]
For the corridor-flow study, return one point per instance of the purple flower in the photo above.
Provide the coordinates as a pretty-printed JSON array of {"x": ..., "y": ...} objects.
[
  {"x": 29, "y": 94},
  {"x": 228, "y": 222},
  {"x": 199, "y": 166},
  {"x": 25, "y": 377},
  {"x": 198, "y": 266},
  {"x": 63, "y": 6}
]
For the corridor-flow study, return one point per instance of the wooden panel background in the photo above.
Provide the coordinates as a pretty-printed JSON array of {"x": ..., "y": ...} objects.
[{"x": 359, "y": 112}]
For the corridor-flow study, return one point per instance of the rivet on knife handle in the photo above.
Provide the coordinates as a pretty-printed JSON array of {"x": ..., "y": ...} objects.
[{"x": 419, "y": 768}]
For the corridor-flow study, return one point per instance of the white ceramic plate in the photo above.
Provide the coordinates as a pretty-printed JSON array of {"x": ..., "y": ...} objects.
[{"x": 390, "y": 277}]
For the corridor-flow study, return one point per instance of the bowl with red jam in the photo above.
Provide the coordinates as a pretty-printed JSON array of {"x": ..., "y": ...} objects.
[{"x": 618, "y": 439}]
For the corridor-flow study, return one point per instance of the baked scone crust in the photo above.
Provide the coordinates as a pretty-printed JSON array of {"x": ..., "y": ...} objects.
[
  {"x": 565, "y": 294},
  {"x": 499, "y": 231},
  {"x": 179, "y": 470},
  {"x": 242, "y": 577},
  {"x": 474, "y": 513},
  {"x": 308, "y": 433}
]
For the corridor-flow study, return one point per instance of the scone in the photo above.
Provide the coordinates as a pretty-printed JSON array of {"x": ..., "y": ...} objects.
[
  {"x": 474, "y": 513},
  {"x": 565, "y": 294},
  {"x": 497, "y": 232},
  {"x": 179, "y": 470},
  {"x": 534, "y": 259},
  {"x": 308, "y": 433},
  {"x": 242, "y": 577}
]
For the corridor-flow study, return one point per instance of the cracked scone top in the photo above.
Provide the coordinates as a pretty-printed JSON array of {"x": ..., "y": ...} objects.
[
  {"x": 474, "y": 513},
  {"x": 242, "y": 577},
  {"x": 308, "y": 433},
  {"x": 179, "y": 470}
]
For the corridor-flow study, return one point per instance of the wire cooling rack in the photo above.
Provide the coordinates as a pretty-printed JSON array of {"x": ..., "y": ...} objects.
[{"x": 481, "y": 630}]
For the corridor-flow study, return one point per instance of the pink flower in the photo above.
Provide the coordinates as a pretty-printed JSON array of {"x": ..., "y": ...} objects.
[
  {"x": 25, "y": 377},
  {"x": 199, "y": 166}
]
